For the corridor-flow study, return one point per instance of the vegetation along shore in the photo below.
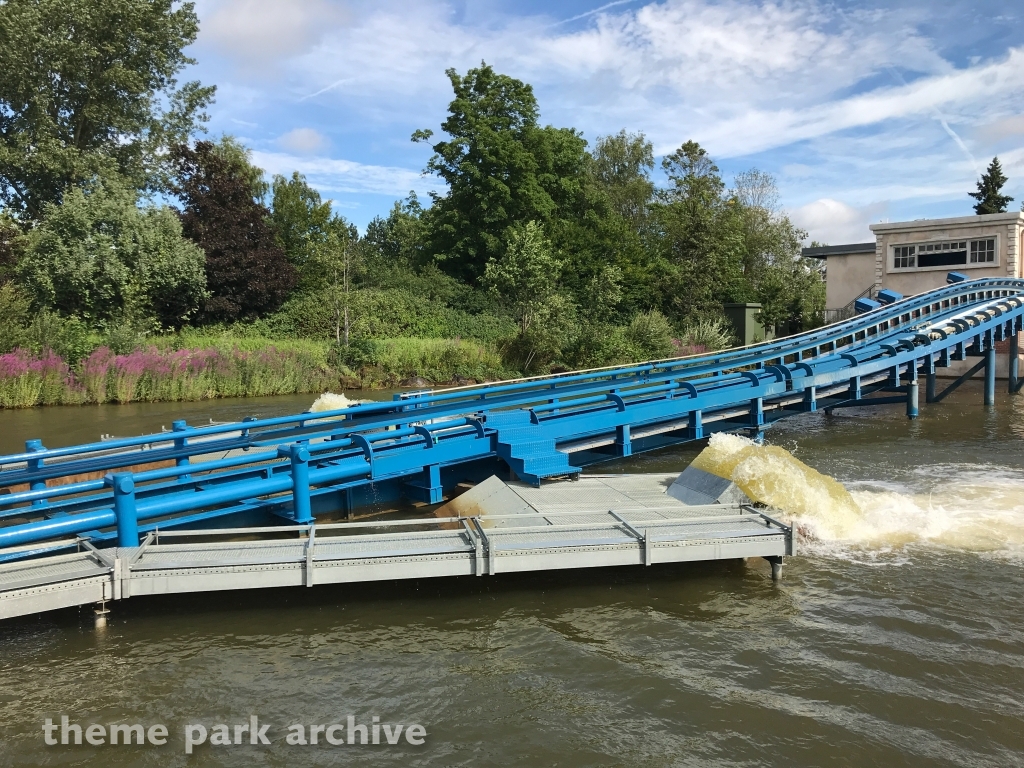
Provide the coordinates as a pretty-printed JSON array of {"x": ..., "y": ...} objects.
[{"x": 142, "y": 260}]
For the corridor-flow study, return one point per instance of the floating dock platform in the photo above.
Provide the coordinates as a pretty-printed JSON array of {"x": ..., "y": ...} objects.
[{"x": 597, "y": 521}]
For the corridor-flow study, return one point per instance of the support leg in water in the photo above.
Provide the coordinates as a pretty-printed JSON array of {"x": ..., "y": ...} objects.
[
  {"x": 990, "y": 374},
  {"x": 776, "y": 561}
]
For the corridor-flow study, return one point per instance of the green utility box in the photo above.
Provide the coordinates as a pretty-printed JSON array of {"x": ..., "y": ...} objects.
[{"x": 743, "y": 318}]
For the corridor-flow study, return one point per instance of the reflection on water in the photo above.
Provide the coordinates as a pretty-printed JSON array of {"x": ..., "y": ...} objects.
[
  {"x": 902, "y": 646},
  {"x": 58, "y": 426}
]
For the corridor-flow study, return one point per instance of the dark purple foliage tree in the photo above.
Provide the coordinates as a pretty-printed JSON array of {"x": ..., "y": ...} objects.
[{"x": 247, "y": 272}]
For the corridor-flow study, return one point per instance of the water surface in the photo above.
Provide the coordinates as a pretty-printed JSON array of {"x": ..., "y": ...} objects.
[{"x": 901, "y": 647}]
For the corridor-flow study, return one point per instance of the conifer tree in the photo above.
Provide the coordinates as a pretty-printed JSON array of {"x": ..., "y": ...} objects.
[{"x": 988, "y": 195}]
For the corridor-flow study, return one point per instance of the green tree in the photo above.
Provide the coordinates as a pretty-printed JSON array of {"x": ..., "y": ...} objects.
[
  {"x": 525, "y": 280},
  {"x": 701, "y": 236},
  {"x": 247, "y": 272},
  {"x": 396, "y": 242},
  {"x": 526, "y": 276},
  {"x": 89, "y": 88},
  {"x": 99, "y": 256},
  {"x": 14, "y": 318},
  {"x": 990, "y": 185},
  {"x": 501, "y": 169},
  {"x": 300, "y": 218},
  {"x": 10, "y": 234},
  {"x": 621, "y": 165},
  {"x": 335, "y": 263}
]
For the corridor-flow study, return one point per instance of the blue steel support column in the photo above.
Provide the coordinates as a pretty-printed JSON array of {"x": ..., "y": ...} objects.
[
  {"x": 1013, "y": 374},
  {"x": 124, "y": 508},
  {"x": 435, "y": 492},
  {"x": 990, "y": 373},
  {"x": 180, "y": 442},
  {"x": 811, "y": 399},
  {"x": 912, "y": 399},
  {"x": 35, "y": 446},
  {"x": 912, "y": 389},
  {"x": 695, "y": 430},
  {"x": 757, "y": 419},
  {"x": 299, "y": 455},
  {"x": 623, "y": 442}
]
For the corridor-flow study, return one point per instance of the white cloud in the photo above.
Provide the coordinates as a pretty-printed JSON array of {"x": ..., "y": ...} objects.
[
  {"x": 332, "y": 175},
  {"x": 259, "y": 32},
  {"x": 835, "y": 222},
  {"x": 852, "y": 98},
  {"x": 304, "y": 141}
]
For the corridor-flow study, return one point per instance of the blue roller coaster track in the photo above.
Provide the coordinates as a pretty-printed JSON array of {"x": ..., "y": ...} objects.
[{"x": 419, "y": 445}]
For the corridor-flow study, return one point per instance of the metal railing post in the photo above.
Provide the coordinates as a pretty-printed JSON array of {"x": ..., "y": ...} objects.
[
  {"x": 35, "y": 446},
  {"x": 299, "y": 455},
  {"x": 180, "y": 442},
  {"x": 124, "y": 508}
]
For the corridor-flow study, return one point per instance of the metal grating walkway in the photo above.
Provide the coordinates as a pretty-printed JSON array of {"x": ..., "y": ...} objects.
[{"x": 635, "y": 531}]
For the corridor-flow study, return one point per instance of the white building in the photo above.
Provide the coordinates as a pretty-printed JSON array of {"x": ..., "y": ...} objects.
[{"x": 914, "y": 256}]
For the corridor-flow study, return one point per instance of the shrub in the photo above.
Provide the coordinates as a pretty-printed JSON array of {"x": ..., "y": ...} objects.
[
  {"x": 651, "y": 335},
  {"x": 27, "y": 380},
  {"x": 709, "y": 334}
]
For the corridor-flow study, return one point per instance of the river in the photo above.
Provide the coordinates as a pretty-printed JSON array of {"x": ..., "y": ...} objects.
[{"x": 900, "y": 644}]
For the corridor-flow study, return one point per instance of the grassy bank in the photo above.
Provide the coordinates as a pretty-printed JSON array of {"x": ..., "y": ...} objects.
[{"x": 186, "y": 367}]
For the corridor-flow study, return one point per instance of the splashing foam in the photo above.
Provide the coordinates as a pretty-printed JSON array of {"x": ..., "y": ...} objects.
[
  {"x": 329, "y": 401},
  {"x": 969, "y": 507}
]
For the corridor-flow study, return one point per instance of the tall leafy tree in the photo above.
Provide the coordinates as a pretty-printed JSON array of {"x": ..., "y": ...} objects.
[
  {"x": 525, "y": 279},
  {"x": 501, "y": 168},
  {"x": 701, "y": 237},
  {"x": 397, "y": 240},
  {"x": 247, "y": 272},
  {"x": 301, "y": 219},
  {"x": 622, "y": 164},
  {"x": 989, "y": 194},
  {"x": 98, "y": 256},
  {"x": 88, "y": 87},
  {"x": 335, "y": 262}
]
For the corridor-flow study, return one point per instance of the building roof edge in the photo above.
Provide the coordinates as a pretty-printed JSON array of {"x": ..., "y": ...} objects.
[{"x": 989, "y": 218}]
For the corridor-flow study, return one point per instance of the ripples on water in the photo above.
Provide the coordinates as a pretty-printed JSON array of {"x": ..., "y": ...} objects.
[{"x": 900, "y": 645}]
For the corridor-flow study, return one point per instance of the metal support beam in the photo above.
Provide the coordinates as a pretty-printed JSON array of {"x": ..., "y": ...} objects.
[
  {"x": 180, "y": 425},
  {"x": 912, "y": 400},
  {"x": 811, "y": 399},
  {"x": 299, "y": 455},
  {"x": 1013, "y": 372},
  {"x": 623, "y": 443},
  {"x": 695, "y": 428},
  {"x": 35, "y": 446},
  {"x": 124, "y": 508},
  {"x": 990, "y": 373},
  {"x": 956, "y": 384}
]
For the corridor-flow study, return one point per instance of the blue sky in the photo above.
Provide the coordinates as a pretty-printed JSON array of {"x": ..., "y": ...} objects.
[{"x": 863, "y": 111}]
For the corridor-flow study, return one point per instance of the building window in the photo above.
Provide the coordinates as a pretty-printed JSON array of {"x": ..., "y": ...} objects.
[
  {"x": 904, "y": 257},
  {"x": 947, "y": 253},
  {"x": 983, "y": 251}
]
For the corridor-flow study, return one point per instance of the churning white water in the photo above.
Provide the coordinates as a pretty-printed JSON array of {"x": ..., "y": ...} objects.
[
  {"x": 329, "y": 401},
  {"x": 968, "y": 507}
]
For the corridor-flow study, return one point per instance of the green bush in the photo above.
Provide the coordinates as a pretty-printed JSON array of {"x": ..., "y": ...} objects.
[
  {"x": 650, "y": 334},
  {"x": 68, "y": 337},
  {"x": 388, "y": 362},
  {"x": 14, "y": 317},
  {"x": 389, "y": 313}
]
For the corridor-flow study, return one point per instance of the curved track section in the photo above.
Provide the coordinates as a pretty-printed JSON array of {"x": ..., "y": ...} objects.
[{"x": 420, "y": 444}]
